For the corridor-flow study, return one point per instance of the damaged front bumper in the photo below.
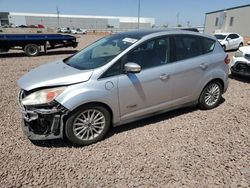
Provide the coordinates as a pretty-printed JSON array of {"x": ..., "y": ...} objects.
[
  {"x": 241, "y": 66},
  {"x": 42, "y": 122}
]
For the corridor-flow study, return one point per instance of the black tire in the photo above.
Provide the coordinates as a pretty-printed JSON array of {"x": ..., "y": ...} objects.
[
  {"x": 224, "y": 48},
  {"x": 241, "y": 44},
  {"x": 69, "y": 127},
  {"x": 204, "y": 95},
  {"x": 31, "y": 50}
]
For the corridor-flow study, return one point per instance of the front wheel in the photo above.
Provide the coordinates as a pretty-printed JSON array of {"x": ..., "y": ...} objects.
[
  {"x": 224, "y": 48},
  {"x": 88, "y": 125},
  {"x": 210, "y": 96}
]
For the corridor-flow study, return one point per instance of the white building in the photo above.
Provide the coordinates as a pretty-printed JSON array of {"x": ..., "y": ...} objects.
[
  {"x": 77, "y": 21},
  {"x": 234, "y": 19}
]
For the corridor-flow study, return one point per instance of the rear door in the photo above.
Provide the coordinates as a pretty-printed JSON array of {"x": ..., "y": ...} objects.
[{"x": 190, "y": 65}]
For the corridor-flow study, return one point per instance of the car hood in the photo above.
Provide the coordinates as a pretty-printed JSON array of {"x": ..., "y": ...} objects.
[
  {"x": 245, "y": 49},
  {"x": 221, "y": 41},
  {"x": 53, "y": 74}
]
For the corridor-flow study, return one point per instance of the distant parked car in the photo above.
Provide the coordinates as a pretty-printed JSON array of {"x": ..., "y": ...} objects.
[
  {"x": 64, "y": 30},
  {"x": 241, "y": 62},
  {"x": 32, "y": 26},
  {"x": 40, "y": 26},
  {"x": 22, "y": 26},
  {"x": 230, "y": 41},
  {"x": 78, "y": 31},
  {"x": 119, "y": 79}
]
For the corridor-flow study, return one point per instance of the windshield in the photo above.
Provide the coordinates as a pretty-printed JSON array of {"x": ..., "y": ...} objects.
[
  {"x": 220, "y": 36},
  {"x": 100, "y": 52}
]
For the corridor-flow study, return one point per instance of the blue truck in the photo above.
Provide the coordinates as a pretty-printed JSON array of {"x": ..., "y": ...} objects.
[{"x": 32, "y": 44}]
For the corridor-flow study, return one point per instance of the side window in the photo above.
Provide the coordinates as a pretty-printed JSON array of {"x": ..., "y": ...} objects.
[
  {"x": 187, "y": 46},
  {"x": 151, "y": 54},
  {"x": 207, "y": 44},
  {"x": 113, "y": 70},
  {"x": 235, "y": 36},
  {"x": 216, "y": 21},
  {"x": 231, "y": 36}
]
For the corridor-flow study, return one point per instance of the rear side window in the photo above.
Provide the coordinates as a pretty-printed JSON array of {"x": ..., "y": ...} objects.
[
  {"x": 207, "y": 44},
  {"x": 233, "y": 36},
  {"x": 187, "y": 46}
]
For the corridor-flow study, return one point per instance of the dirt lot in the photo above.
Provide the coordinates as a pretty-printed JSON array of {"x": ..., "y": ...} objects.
[{"x": 187, "y": 147}]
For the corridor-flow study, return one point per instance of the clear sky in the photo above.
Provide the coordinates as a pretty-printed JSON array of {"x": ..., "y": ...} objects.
[{"x": 164, "y": 11}]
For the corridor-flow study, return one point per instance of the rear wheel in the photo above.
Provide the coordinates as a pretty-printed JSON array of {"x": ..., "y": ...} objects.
[
  {"x": 241, "y": 44},
  {"x": 31, "y": 50},
  {"x": 88, "y": 125},
  {"x": 211, "y": 95}
]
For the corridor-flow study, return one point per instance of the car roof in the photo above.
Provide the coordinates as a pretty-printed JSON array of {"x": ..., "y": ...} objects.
[
  {"x": 225, "y": 33},
  {"x": 138, "y": 34}
]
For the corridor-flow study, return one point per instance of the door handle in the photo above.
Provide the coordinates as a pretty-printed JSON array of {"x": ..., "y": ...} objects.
[
  {"x": 203, "y": 66},
  {"x": 164, "y": 77}
]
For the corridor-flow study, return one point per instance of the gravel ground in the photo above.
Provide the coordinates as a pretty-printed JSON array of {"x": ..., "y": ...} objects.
[{"x": 187, "y": 147}]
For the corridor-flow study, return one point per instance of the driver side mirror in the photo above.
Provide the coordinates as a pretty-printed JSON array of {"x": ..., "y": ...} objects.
[
  {"x": 132, "y": 68},
  {"x": 228, "y": 39}
]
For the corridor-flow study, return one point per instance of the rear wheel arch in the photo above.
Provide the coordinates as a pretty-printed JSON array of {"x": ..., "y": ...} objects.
[
  {"x": 201, "y": 100},
  {"x": 216, "y": 80}
]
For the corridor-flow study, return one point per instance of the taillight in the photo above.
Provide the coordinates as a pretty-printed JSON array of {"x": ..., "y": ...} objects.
[{"x": 227, "y": 59}]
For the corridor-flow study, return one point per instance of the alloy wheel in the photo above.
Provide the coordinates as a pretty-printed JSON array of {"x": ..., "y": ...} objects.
[
  {"x": 212, "y": 94},
  {"x": 89, "y": 124}
]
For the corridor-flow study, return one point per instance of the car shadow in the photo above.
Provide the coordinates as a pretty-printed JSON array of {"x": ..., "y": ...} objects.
[
  {"x": 240, "y": 78},
  {"x": 123, "y": 128},
  {"x": 49, "y": 53},
  {"x": 234, "y": 50},
  {"x": 126, "y": 127}
]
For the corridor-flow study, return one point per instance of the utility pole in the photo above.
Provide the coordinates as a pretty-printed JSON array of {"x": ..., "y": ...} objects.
[
  {"x": 57, "y": 12},
  {"x": 139, "y": 9},
  {"x": 178, "y": 19}
]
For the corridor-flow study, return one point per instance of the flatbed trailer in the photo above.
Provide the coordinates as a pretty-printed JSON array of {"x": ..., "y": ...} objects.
[{"x": 32, "y": 44}]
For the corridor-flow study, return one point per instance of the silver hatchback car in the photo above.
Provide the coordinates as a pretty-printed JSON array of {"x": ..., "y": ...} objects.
[{"x": 119, "y": 79}]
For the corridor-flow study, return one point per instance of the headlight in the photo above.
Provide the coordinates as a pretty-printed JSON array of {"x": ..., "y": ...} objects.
[
  {"x": 43, "y": 96},
  {"x": 238, "y": 54}
]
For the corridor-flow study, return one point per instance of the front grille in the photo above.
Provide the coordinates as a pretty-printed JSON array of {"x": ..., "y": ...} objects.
[{"x": 247, "y": 56}]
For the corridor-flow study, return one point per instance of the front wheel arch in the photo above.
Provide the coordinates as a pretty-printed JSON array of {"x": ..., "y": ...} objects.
[
  {"x": 92, "y": 103},
  {"x": 67, "y": 129}
]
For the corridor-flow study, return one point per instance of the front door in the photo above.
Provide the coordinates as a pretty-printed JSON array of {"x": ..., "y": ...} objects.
[{"x": 149, "y": 90}]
